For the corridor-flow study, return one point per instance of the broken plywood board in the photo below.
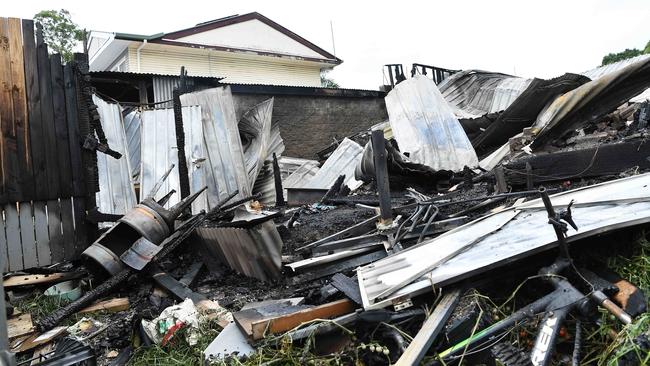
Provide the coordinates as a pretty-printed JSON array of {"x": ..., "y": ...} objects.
[
  {"x": 40, "y": 279},
  {"x": 112, "y": 305},
  {"x": 35, "y": 340},
  {"x": 287, "y": 322},
  {"x": 19, "y": 326},
  {"x": 255, "y": 312}
]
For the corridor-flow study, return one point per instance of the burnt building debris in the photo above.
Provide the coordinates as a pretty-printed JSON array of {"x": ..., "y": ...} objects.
[{"x": 471, "y": 217}]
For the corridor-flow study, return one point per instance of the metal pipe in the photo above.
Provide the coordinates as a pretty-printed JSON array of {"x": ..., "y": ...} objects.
[{"x": 137, "y": 52}]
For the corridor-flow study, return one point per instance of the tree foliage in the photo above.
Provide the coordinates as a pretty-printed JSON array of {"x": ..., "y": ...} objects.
[
  {"x": 327, "y": 82},
  {"x": 59, "y": 31},
  {"x": 624, "y": 55}
]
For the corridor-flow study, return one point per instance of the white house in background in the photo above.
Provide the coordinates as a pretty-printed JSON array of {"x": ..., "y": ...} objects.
[{"x": 249, "y": 48}]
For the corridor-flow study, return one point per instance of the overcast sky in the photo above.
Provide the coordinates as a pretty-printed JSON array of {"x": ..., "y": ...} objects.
[{"x": 525, "y": 38}]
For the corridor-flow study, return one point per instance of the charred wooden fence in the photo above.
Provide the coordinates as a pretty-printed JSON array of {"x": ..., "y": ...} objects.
[{"x": 42, "y": 184}]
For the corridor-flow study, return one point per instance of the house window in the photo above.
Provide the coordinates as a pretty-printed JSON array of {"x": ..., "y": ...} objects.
[{"x": 120, "y": 65}]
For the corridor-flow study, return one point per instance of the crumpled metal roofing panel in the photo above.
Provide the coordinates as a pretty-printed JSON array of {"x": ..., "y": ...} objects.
[
  {"x": 254, "y": 252},
  {"x": 426, "y": 128},
  {"x": 301, "y": 175},
  {"x": 255, "y": 128},
  {"x": 506, "y": 92},
  {"x": 592, "y": 100},
  {"x": 500, "y": 238},
  {"x": 610, "y": 68},
  {"x": 116, "y": 192},
  {"x": 159, "y": 152},
  {"x": 471, "y": 93},
  {"x": 289, "y": 164},
  {"x": 342, "y": 161},
  {"x": 225, "y": 158}
]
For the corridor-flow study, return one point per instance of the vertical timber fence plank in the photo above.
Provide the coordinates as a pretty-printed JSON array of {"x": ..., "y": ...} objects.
[
  {"x": 35, "y": 124},
  {"x": 61, "y": 127},
  {"x": 80, "y": 225},
  {"x": 76, "y": 165},
  {"x": 42, "y": 234},
  {"x": 6, "y": 113},
  {"x": 18, "y": 89},
  {"x": 4, "y": 248},
  {"x": 67, "y": 221},
  {"x": 54, "y": 226},
  {"x": 47, "y": 115},
  {"x": 27, "y": 237},
  {"x": 12, "y": 226}
]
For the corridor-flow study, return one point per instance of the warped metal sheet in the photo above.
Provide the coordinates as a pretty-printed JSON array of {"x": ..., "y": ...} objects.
[
  {"x": 524, "y": 110},
  {"x": 502, "y": 238},
  {"x": 342, "y": 161},
  {"x": 225, "y": 158},
  {"x": 132, "y": 130},
  {"x": 473, "y": 93},
  {"x": 426, "y": 128},
  {"x": 591, "y": 101},
  {"x": 301, "y": 175},
  {"x": 159, "y": 152},
  {"x": 116, "y": 192},
  {"x": 254, "y": 252},
  {"x": 600, "y": 71},
  {"x": 288, "y": 165},
  {"x": 265, "y": 184},
  {"x": 506, "y": 92},
  {"x": 255, "y": 131}
]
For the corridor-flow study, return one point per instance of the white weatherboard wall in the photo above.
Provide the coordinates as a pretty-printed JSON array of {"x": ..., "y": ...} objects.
[
  {"x": 251, "y": 35},
  {"x": 235, "y": 67}
]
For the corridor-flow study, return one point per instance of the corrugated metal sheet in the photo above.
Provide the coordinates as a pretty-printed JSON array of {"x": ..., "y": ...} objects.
[
  {"x": 255, "y": 131},
  {"x": 613, "y": 67},
  {"x": 590, "y": 101},
  {"x": 132, "y": 130},
  {"x": 506, "y": 92},
  {"x": 163, "y": 88},
  {"x": 265, "y": 184},
  {"x": 610, "y": 68},
  {"x": 254, "y": 252},
  {"x": 116, "y": 192},
  {"x": 426, "y": 128},
  {"x": 499, "y": 238},
  {"x": 473, "y": 93},
  {"x": 288, "y": 165},
  {"x": 225, "y": 159},
  {"x": 342, "y": 161},
  {"x": 159, "y": 152},
  {"x": 302, "y": 174}
]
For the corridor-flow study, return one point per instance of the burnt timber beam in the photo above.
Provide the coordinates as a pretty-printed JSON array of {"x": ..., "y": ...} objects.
[{"x": 605, "y": 159}]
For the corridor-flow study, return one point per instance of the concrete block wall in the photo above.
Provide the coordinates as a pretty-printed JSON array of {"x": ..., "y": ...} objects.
[{"x": 310, "y": 123}]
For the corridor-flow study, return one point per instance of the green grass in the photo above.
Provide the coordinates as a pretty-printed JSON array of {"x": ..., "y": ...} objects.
[
  {"x": 273, "y": 351},
  {"x": 178, "y": 352},
  {"x": 606, "y": 344}
]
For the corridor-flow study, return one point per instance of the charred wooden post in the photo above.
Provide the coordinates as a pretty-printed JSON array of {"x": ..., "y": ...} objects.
[
  {"x": 500, "y": 176},
  {"x": 277, "y": 176},
  {"x": 184, "y": 179},
  {"x": 529, "y": 177},
  {"x": 381, "y": 175},
  {"x": 334, "y": 189}
]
